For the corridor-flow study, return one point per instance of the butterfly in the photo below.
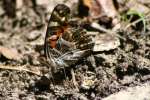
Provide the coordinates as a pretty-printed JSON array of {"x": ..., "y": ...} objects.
[{"x": 65, "y": 43}]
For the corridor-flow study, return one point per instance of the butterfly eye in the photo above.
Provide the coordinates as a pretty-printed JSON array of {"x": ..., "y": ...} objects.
[
  {"x": 63, "y": 19},
  {"x": 60, "y": 12}
]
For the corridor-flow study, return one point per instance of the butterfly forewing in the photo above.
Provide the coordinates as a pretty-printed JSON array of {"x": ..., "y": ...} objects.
[{"x": 57, "y": 22}]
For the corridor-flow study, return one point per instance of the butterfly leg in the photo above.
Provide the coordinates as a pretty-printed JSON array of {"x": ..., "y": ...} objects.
[
  {"x": 91, "y": 61},
  {"x": 74, "y": 80}
]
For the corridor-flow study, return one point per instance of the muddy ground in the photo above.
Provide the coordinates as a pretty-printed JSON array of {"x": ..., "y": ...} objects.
[{"x": 22, "y": 36}]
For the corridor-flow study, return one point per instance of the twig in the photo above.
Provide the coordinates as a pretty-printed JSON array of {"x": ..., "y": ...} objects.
[
  {"x": 133, "y": 23},
  {"x": 30, "y": 69},
  {"x": 136, "y": 21},
  {"x": 97, "y": 26},
  {"x": 74, "y": 80}
]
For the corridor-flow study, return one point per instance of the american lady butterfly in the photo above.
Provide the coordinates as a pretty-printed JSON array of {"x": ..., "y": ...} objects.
[{"x": 65, "y": 44}]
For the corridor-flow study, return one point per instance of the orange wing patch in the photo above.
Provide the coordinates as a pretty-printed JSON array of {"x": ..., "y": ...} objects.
[{"x": 52, "y": 40}]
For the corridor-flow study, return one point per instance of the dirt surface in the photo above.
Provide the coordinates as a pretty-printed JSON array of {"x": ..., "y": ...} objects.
[
  {"x": 140, "y": 92},
  {"x": 98, "y": 76}
]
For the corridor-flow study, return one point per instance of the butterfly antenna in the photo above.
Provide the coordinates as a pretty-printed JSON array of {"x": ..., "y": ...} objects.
[
  {"x": 53, "y": 80},
  {"x": 64, "y": 72}
]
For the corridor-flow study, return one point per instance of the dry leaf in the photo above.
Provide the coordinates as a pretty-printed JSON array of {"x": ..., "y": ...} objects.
[
  {"x": 99, "y": 8},
  {"x": 105, "y": 42},
  {"x": 94, "y": 7},
  {"x": 138, "y": 7},
  {"x": 108, "y": 7},
  {"x": 10, "y": 53}
]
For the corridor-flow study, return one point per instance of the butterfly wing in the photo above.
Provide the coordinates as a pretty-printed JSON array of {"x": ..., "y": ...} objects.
[
  {"x": 64, "y": 45},
  {"x": 57, "y": 23}
]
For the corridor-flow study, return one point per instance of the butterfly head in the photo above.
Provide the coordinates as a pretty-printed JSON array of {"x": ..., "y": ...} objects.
[{"x": 62, "y": 10}]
